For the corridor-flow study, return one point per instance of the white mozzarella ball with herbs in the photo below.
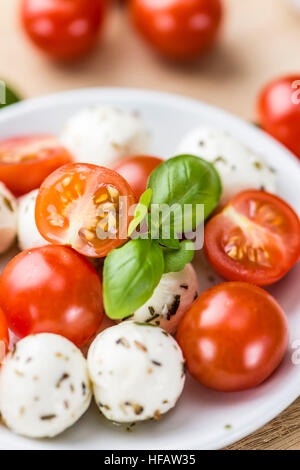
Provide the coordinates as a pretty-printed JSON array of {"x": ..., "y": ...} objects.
[
  {"x": 8, "y": 218},
  {"x": 137, "y": 370},
  {"x": 28, "y": 234},
  {"x": 102, "y": 135},
  {"x": 170, "y": 300},
  {"x": 44, "y": 386},
  {"x": 238, "y": 166}
]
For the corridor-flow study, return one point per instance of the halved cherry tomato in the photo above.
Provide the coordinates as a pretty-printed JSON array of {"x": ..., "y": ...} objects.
[
  {"x": 26, "y": 161},
  {"x": 63, "y": 29},
  {"x": 233, "y": 337},
  {"x": 279, "y": 111},
  {"x": 136, "y": 170},
  {"x": 178, "y": 29},
  {"x": 4, "y": 336},
  {"x": 85, "y": 206},
  {"x": 52, "y": 289},
  {"x": 256, "y": 238}
]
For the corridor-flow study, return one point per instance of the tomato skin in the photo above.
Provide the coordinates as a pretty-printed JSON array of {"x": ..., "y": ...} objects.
[
  {"x": 136, "y": 171},
  {"x": 63, "y": 29},
  {"x": 280, "y": 239},
  {"x": 52, "y": 289},
  {"x": 278, "y": 108},
  {"x": 4, "y": 335},
  {"x": 91, "y": 177},
  {"x": 36, "y": 169},
  {"x": 233, "y": 337},
  {"x": 178, "y": 29}
]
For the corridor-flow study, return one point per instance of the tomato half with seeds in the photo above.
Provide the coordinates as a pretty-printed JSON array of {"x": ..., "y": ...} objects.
[
  {"x": 26, "y": 161},
  {"x": 256, "y": 239},
  {"x": 85, "y": 206}
]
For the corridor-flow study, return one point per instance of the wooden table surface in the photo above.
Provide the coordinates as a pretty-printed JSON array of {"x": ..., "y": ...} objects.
[{"x": 259, "y": 40}]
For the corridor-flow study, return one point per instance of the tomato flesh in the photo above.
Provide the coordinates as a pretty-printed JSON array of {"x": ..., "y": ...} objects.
[
  {"x": 279, "y": 111},
  {"x": 178, "y": 29},
  {"x": 26, "y": 161},
  {"x": 136, "y": 170},
  {"x": 52, "y": 289},
  {"x": 63, "y": 29},
  {"x": 85, "y": 206},
  {"x": 233, "y": 337},
  {"x": 256, "y": 238}
]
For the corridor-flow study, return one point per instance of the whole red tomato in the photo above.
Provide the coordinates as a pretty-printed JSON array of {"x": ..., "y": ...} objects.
[
  {"x": 52, "y": 289},
  {"x": 279, "y": 111},
  {"x": 136, "y": 171},
  {"x": 233, "y": 337},
  {"x": 178, "y": 29},
  {"x": 64, "y": 29}
]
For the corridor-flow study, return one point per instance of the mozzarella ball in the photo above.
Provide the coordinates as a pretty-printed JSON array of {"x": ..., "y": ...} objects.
[
  {"x": 44, "y": 386},
  {"x": 28, "y": 234},
  {"x": 8, "y": 218},
  {"x": 170, "y": 300},
  {"x": 137, "y": 370},
  {"x": 102, "y": 135},
  {"x": 238, "y": 166}
]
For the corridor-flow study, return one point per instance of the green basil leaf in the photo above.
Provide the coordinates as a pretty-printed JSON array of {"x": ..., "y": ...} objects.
[
  {"x": 131, "y": 273},
  {"x": 11, "y": 97},
  {"x": 175, "y": 261},
  {"x": 179, "y": 181},
  {"x": 172, "y": 243},
  {"x": 140, "y": 211}
]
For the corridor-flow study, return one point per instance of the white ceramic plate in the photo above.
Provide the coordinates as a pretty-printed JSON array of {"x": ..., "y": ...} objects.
[{"x": 203, "y": 419}]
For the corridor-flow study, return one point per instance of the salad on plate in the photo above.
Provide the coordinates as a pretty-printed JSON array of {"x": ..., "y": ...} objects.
[{"x": 103, "y": 299}]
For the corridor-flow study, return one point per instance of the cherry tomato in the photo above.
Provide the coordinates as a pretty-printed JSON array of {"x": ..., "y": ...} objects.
[
  {"x": 85, "y": 206},
  {"x": 52, "y": 289},
  {"x": 256, "y": 238},
  {"x": 26, "y": 161},
  {"x": 64, "y": 29},
  {"x": 233, "y": 337},
  {"x": 178, "y": 29},
  {"x": 279, "y": 111},
  {"x": 4, "y": 336},
  {"x": 136, "y": 170}
]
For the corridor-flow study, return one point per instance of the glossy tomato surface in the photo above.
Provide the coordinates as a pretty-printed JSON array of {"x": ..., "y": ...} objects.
[
  {"x": 52, "y": 289},
  {"x": 136, "y": 170},
  {"x": 26, "y": 161},
  {"x": 178, "y": 29},
  {"x": 85, "y": 206},
  {"x": 4, "y": 336},
  {"x": 64, "y": 29},
  {"x": 279, "y": 111},
  {"x": 256, "y": 238},
  {"x": 233, "y": 337}
]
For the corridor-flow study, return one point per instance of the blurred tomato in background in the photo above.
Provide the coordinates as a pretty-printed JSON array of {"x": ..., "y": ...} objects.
[
  {"x": 63, "y": 29},
  {"x": 178, "y": 29},
  {"x": 279, "y": 111},
  {"x": 136, "y": 170}
]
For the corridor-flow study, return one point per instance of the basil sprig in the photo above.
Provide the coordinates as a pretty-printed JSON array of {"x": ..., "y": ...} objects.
[
  {"x": 132, "y": 272},
  {"x": 180, "y": 181},
  {"x": 11, "y": 97},
  {"x": 130, "y": 276}
]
